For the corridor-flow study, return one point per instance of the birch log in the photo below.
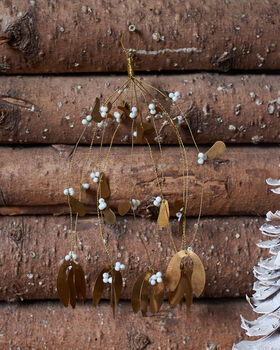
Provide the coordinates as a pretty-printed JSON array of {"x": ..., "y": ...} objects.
[
  {"x": 50, "y": 326},
  {"x": 32, "y": 249},
  {"x": 32, "y": 180},
  {"x": 58, "y": 37},
  {"x": 232, "y": 108}
]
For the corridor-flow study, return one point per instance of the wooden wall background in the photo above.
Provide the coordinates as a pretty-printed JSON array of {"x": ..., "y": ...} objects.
[{"x": 223, "y": 56}]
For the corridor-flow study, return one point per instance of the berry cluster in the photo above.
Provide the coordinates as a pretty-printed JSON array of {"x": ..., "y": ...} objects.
[
  {"x": 95, "y": 176},
  {"x": 135, "y": 203},
  {"x": 157, "y": 201},
  {"x": 201, "y": 158},
  {"x": 133, "y": 113},
  {"x": 174, "y": 96},
  {"x": 69, "y": 191},
  {"x": 102, "y": 204},
  {"x": 155, "y": 278},
  {"x": 87, "y": 121}
]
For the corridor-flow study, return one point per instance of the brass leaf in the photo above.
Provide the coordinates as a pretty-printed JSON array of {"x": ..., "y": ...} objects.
[
  {"x": 96, "y": 116},
  {"x": 189, "y": 291},
  {"x": 80, "y": 282},
  {"x": 176, "y": 297},
  {"x": 216, "y": 150},
  {"x": 125, "y": 109},
  {"x": 109, "y": 105},
  {"x": 198, "y": 274},
  {"x": 118, "y": 284},
  {"x": 109, "y": 215},
  {"x": 72, "y": 288},
  {"x": 124, "y": 207},
  {"x": 163, "y": 217},
  {"x": 104, "y": 186},
  {"x": 173, "y": 272},
  {"x": 77, "y": 206},
  {"x": 62, "y": 284},
  {"x": 99, "y": 286},
  {"x": 179, "y": 204},
  {"x": 141, "y": 129},
  {"x": 136, "y": 293},
  {"x": 144, "y": 294},
  {"x": 156, "y": 298}
]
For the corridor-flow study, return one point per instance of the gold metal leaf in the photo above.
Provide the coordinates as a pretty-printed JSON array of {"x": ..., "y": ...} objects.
[
  {"x": 141, "y": 129},
  {"x": 173, "y": 272},
  {"x": 144, "y": 294},
  {"x": 156, "y": 298},
  {"x": 104, "y": 186},
  {"x": 77, "y": 206},
  {"x": 118, "y": 284},
  {"x": 124, "y": 207},
  {"x": 125, "y": 109},
  {"x": 163, "y": 217},
  {"x": 80, "y": 282},
  {"x": 63, "y": 290},
  {"x": 109, "y": 216},
  {"x": 136, "y": 293},
  {"x": 179, "y": 204},
  {"x": 176, "y": 297},
  {"x": 216, "y": 150},
  {"x": 72, "y": 288},
  {"x": 189, "y": 291},
  {"x": 198, "y": 274},
  {"x": 96, "y": 116},
  {"x": 109, "y": 105},
  {"x": 99, "y": 286}
]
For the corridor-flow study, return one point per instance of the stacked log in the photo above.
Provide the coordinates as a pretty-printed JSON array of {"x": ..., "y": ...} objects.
[{"x": 40, "y": 121}]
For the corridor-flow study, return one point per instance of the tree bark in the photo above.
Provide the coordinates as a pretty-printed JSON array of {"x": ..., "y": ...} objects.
[
  {"x": 235, "y": 109},
  {"x": 33, "y": 179},
  {"x": 61, "y": 37},
  {"x": 49, "y": 325},
  {"x": 32, "y": 249}
]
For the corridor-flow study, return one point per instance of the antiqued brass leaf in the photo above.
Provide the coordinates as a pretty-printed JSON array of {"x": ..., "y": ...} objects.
[
  {"x": 198, "y": 274},
  {"x": 163, "y": 217},
  {"x": 216, "y": 150},
  {"x": 189, "y": 291},
  {"x": 99, "y": 286},
  {"x": 125, "y": 109},
  {"x": 176, "y": 297},
  {"x": 182, "y": 222},
  {"x": 104, "y": 186},
  {"x": 136, "y": 293},
  {"x": 173, "y": 272},
  {"x": 96, "y": 116},
  {"x": 109, "y": 105},
  {"x": 144, "y": 294},
  {"x": 156, "y": 298},
  {"x": 124, "y": 207},
  {"x": 178, "y": 205},
  {"x": 80, "y": 282},
  {"x": 72, "y": 288},
  {"x": 77, "y": 206},
  {"x": 63, "y": 290},
  {"x": 109, "y": 216},
  {"x": 141, "y": 129},
  {"x": 118, "y": 284}
]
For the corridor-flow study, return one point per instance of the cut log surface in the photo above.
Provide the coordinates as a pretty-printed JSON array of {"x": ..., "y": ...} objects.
[
  {"x": 235, "y": 109},
  {"x": 77, "y": 37},
  {"x": 32, "y": 249},
  {"x": 47, "y": 325},
  {"x": 32, "y": 180}
]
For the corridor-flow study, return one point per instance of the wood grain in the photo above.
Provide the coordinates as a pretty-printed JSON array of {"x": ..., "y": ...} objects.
[
  {"x": 32, "y": 249},
  {"x": 58, "y": 37},
  {"x": 232, "y": 108}
]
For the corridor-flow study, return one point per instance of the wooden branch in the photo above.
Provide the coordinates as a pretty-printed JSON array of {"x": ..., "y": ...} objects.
[
  {"x": 32, "y": 249},
  {"x": 75, "y": 37},
  {"x": 49, "y": 325},
  {"x": 235, "y": 109},
  {"x": 33, "y": 179}
]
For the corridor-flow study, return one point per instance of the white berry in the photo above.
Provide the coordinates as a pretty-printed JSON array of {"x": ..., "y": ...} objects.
[
  {"x": 153, "y": 111},
  {"x": 152, "y": 106},
  {"x": 134, "y": 109},
  {"x": 95, "y": 179},
  {"x": 152, "y": 282},
  {"x": 177, "y": 93},
  {"x": 84, "y": 122},
  {"x": 66, "y": 191},
  {"x": 67, "y": 257},
  {"x": 171, "y": 95},
  {"x": 102, "y": 206},
  {"x": 101, "y": 200},
  {"x": 85, "y": 186},
  {"x": 159, "y": 280},
  {"x": 200, "y": 161},
  {"x": 158, "y": 199},
  {"x": 158, "y": 274},
  {"x": 97, "y": 174},
  {"x": 71, "y": 191},
  {"x": 88, "y": 117},
  {"x": 103, "y": 114},
  {"x": 110, "y": 279},
  {"x": 122, "y": 266}
]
